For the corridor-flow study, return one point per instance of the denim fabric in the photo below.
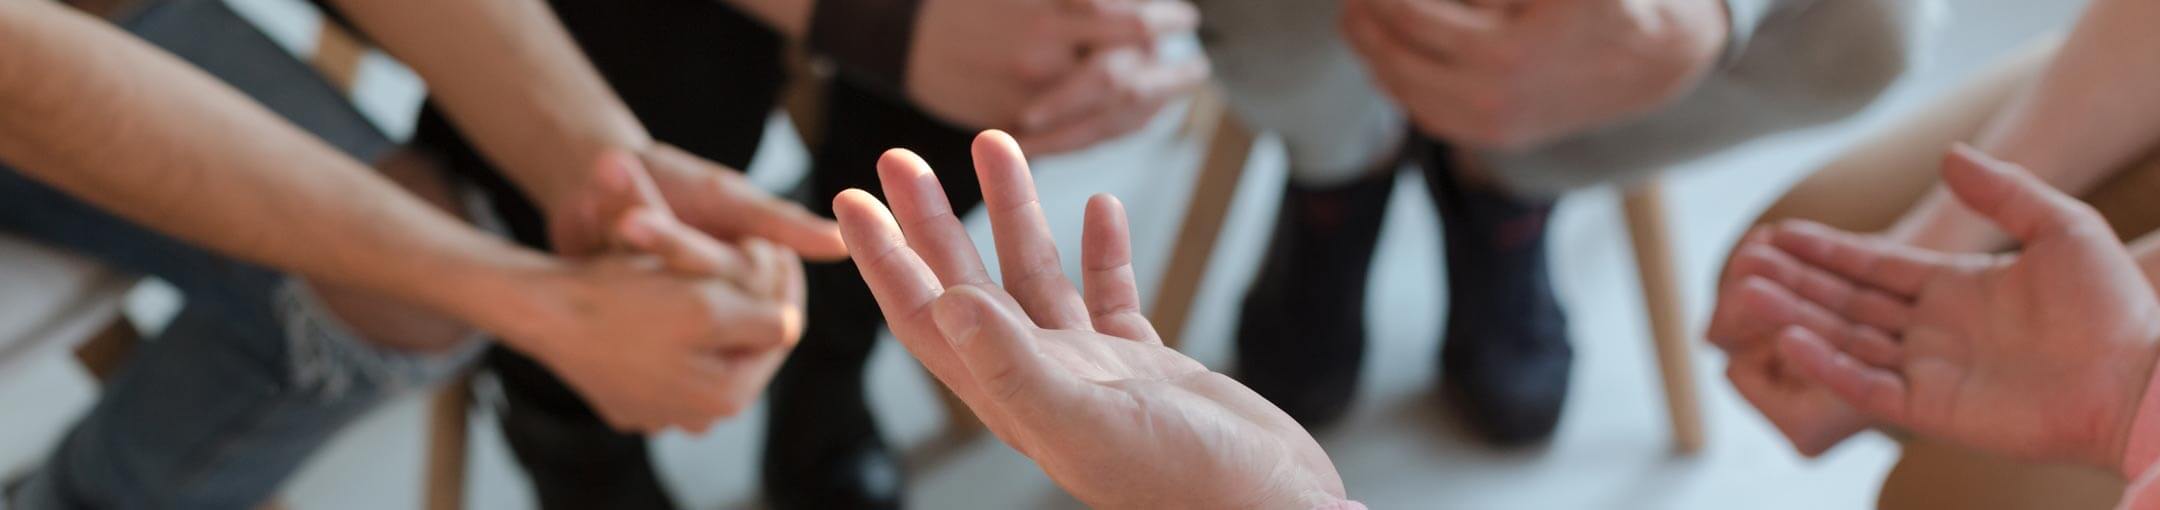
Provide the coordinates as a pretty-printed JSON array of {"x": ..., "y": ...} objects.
[{"x": 253, "y": 375}]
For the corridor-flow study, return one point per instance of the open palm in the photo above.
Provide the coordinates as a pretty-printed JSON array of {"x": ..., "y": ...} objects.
[
  {"x": 1082, "y": 385},
  {"x": 2042, "y": 354}
]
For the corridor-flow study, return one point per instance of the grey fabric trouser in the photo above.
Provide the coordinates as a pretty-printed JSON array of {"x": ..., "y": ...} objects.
[{"x": 1288, "y": 71}]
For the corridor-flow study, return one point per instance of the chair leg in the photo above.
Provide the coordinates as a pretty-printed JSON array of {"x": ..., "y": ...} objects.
[
  {"x": 448, "y": 416},
  {"x": 1229, "y": 143},
  {"x": 103, "y": 354},
  {"x": 1662, "y": 300}
]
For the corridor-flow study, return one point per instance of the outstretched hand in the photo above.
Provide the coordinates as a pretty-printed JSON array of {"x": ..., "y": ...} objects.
[
  {"x": 2041, "y": 354},
  {"x": 1079, "y": 382}
]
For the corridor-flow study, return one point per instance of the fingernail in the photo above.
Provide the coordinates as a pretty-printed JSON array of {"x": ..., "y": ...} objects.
[{"x": 956, "y": 317}]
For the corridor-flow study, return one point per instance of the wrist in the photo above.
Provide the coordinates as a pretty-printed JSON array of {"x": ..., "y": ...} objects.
[{"x": 512, "y": 294}]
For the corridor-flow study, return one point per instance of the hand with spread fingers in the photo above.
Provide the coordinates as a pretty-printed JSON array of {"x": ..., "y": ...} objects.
[
  {"x": 2040, "y": 354},
  {"x": 1063, "y": 74},
  {"x": 1078, "y": 381}
]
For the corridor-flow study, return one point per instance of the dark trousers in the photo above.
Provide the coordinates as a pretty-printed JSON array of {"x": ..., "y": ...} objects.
[{"x": 703, "y": 77}]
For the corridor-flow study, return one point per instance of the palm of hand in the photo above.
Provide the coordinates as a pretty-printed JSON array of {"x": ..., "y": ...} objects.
[
  {"x": 1157, "y": 400},
  {"x": 1084, "y": 387},
  {"x": 2042, "y": 354},
  {"x": 2004, "y": 347}
]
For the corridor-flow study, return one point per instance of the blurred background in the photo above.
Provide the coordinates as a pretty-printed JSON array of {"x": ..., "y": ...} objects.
[{"x": 1398, "y": 449}]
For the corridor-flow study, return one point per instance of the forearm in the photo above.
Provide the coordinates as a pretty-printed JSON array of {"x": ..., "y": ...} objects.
[
  {"x": 123, "y": 126},
  {"x": 2088, "y": 113},
  {"x": 511, "y": 78},
  {"x": 1794, "y": 72}
]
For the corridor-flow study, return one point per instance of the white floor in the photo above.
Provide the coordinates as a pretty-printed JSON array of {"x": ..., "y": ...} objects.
[{"x": 1398, "y": 450}]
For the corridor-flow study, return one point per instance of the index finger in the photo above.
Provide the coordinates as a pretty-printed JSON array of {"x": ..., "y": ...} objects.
[
  {"x": 902, "y": 284},
  {"x": 1899, "y": 269}
]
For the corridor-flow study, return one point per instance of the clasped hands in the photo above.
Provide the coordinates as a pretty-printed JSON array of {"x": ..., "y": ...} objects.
[
  {"x": 1061, "y": 74},
  {"x": 1511, "y": 74},
  {"x": 2040, "y": 354},
  {"x": 680, "y": 293}
]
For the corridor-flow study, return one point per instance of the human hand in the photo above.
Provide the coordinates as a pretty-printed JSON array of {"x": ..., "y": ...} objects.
[
  {"x": 1063, "y": 74},
  {"x": 2043, "y": 354},
  {"x": 669, "y": 329},
  {"x": 677, "y": 188},
  {"x": 1518, "y": 73},
  {"x": 1753, "y": 306},
  {"x": 1080, "y": 383}
]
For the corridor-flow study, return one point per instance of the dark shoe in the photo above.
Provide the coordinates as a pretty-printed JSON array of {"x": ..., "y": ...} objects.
[
  {"x": 1301, "y": 335},
  {"x": 1505, "y": 364}
]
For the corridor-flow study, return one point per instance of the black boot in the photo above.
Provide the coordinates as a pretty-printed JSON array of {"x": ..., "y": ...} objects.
[
  {"x": 1506, "y": 358},
  {"x": 1301, "y": 335},
  {"x": 822, "y": 448}
]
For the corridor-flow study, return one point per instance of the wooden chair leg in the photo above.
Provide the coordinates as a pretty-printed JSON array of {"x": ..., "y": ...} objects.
[
  {"x": 337, "y": 56},
  {"x": 103, "y": 354},
  {"x": 1229, "y": 143},
  {"x": 1668, "y": 325},
  {"x": 448, "y": 417}
]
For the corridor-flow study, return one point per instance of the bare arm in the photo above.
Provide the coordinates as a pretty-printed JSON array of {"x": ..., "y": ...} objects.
[
  {"x": 135, "y": 131},
  {"x": 509, "y": 75},
  {"x": 2090, "y": 112}
]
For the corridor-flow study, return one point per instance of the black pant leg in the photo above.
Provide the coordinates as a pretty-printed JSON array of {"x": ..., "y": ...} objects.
[
  {"x": 699, "y": 75},
  {"x": 822, "y": 448}
]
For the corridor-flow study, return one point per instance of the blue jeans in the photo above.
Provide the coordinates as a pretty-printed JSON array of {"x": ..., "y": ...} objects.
[{"x": 253, "y": 375}]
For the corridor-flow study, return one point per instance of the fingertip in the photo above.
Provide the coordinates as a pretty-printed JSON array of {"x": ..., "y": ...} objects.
[
  {"x": 897, "y": 162},
  {"x": 861, "y": 218},
  {"x": 995, "y": 140},
  {"x": 1106, "y": 205},
  {"x": 852, "y": 202}
]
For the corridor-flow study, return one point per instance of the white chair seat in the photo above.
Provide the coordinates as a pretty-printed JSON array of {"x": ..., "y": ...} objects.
[{"x": 52, "y": 300}]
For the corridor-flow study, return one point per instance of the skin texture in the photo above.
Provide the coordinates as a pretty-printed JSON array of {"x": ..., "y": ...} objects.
[
  {"x": 515, "y": 83},
  {"x": 2088, "y": 114},
  {"x": 652, "y": 348},
  {"x": 2043, "y": 354},
  {"x": 1078, "y": 381},
  {"x": 1516, "y": 74},
  {"x": 2085, "y": 115},
  {"x": 1062, "y": 75}
]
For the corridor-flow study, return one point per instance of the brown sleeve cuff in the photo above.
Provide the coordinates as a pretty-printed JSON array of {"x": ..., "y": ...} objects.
[{"x": 868, "y": 40}]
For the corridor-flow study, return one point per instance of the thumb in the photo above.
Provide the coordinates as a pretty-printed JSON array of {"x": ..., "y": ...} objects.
[
  {"x": 624, "y": 184},
  {"x": 999, "y": 351},
  {"x": 685, "y": 250},
  {"x": 2015, "y": 200}
]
